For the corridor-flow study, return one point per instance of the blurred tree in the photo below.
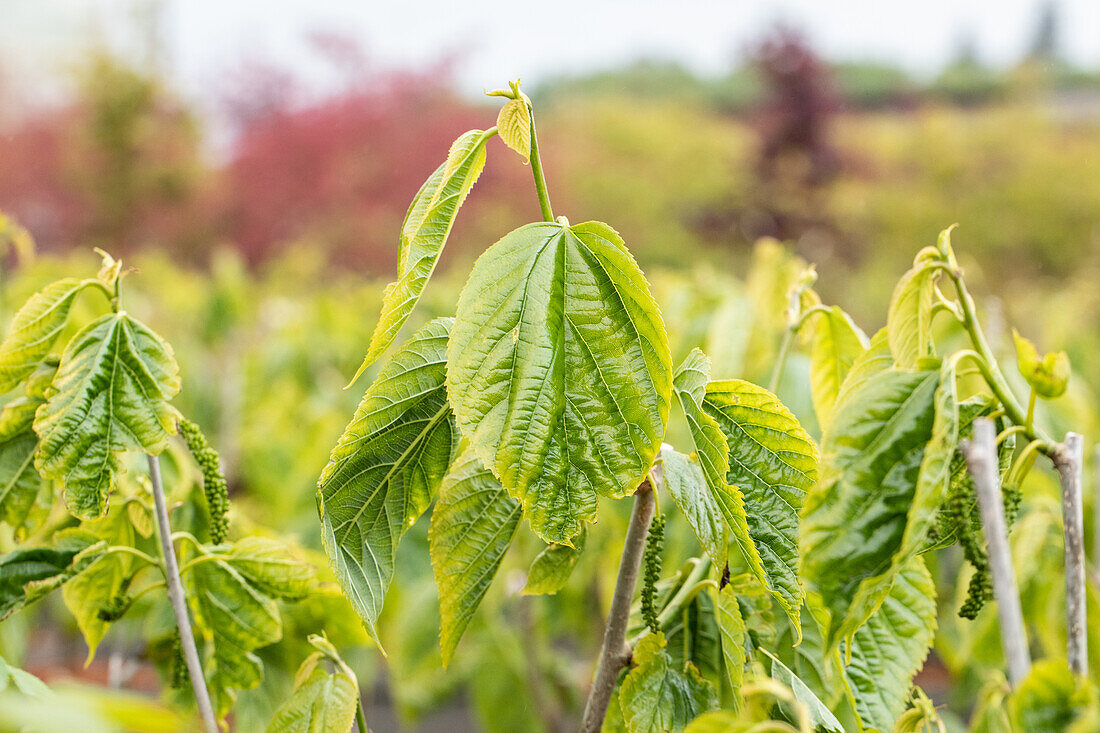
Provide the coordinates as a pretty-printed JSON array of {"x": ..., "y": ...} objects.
[{"x": 1045, "y": 41}]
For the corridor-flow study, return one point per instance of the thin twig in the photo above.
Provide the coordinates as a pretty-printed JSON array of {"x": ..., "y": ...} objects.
[
  {"x": 981, "y": 460},
  {"x": 614, "y": 655},
  {"x": 179, "y": 604},
  {"x": 1096, "y": 506},
  {"x": 1067, "y": 460}
]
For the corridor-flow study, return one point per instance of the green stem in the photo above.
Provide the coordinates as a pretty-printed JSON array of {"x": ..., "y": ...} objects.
[
  {"x": 539, "y": 176},
  {"x": 988, "y": 363},
  {"x": 361, "y": 717},
  {"x": 126, "y": 550},
  {"x": 1031, "y": 409},
  {"x": 781, "y": 359}
]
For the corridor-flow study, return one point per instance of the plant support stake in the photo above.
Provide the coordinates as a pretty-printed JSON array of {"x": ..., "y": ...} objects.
[
  {"x": 179, "y": 604},
  {"x": 1068, "y": 460},
  {"x": 614, "y": 655},
  {"x": 981, "y": 461}
]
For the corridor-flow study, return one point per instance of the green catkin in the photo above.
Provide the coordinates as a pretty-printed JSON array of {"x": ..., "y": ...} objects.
[
  {"x": 180, "y": 677},
  {"x": 115, "y": 608},
  {"x": 214, "y": 485},
  {"x": 652, "y": 559}
]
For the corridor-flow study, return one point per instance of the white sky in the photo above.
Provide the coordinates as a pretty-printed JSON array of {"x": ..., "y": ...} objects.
[{"x": 500, "y": 39}]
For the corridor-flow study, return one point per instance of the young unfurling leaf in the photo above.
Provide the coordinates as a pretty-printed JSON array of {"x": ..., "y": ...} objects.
[
  {"x": 656, "y": 697},
  {"x": 424, "y": 232},
  {"x": 546, "y": 311},
  {"x": 322, "y": 701},
  {"x": 836, "y": 342},
  {"x": 514, "y": 126},
  {"x": 1047, "y": 375}
]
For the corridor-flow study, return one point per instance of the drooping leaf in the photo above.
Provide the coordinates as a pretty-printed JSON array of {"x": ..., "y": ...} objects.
[
  {"x": 820, "y": 715},
  {"x": 235, "y": 619},
  {"x": 855, "y": 517},
  {"x": 773, "y": 461},
  {"x": 712, "y": 450},
  {"x": 836, "y": 342},
  {"x": 34, "y": 330},
  {"x": 559, "y": 371},
  {"x": 656, "y": 697},
  {"x": 552, "y": 567},
  {"x": 472, "y": 526},
  {"x": 273, "y": 567},
  {"x": 98, "y": 584},
  {"x": 424, "y": 232},
  {"x": 30, "y": 574},
  {"x": 688, "y": 486},
  {"x": 732, "y": 629},
  {"x": 113, "y": 390},
  {"x": 890, "y": 648},
  {"x": 514, "y": 126},
  {"x": 386, "y": 468},
  {"x": 909, "y": 320}
]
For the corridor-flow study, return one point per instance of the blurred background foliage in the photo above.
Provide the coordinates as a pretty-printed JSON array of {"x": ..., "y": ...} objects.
[{"x": 262, "y": 252}]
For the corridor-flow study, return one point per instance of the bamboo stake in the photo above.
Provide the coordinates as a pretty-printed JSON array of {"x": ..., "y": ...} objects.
[
  {"x": 981, "y": 461},
  {"x": 1068, "y": 461}
]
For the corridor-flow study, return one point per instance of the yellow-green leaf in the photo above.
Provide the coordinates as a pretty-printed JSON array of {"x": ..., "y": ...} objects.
[
  {"x": 559, "y": 371},
  {"x": 272, "y": 566},
  {"x": 514, "y": 126},
  {"x": 836, "y": 342},
  {"x": 687, "y": 485},
  {"x": 552, "y": 567},
  {"x": 34, "y": 330},
  {"x": 731, "y": 627},
  {"x": 656, "y": 697},
  {"x": 472, "y": 526},
  {"x": 909, "y": 320},
  {"x": 112, "y": 395},
  {"x": 424, "y": 232},
  {"x": 1047, "y": 375}
]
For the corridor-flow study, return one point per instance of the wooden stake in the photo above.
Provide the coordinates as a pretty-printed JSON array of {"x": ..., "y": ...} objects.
[
  {"x": 981, "y": 461},
  {"x": 1067, "y": 461}
]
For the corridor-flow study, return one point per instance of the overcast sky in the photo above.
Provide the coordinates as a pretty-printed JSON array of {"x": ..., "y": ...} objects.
[{"x": 499, "y": 39}]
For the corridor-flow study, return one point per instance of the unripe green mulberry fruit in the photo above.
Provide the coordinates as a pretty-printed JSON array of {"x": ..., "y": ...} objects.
[
  {"x": 653, "y": 546},
  {"x": 214, "y": 485}
]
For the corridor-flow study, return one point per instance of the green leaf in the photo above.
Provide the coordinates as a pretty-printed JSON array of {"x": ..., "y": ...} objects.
[
  {"x": 890, "y": 648},
  {"x": 559, "y": 371},
  {"x": 773, "y": 461},
  {"x": 687, "y": 484},
  {"x": 386, "y": 467},
  {"x": 820, "y": 715},
  {"x": 24, "y": 682},
  {"x": 19, "y": 481},
  {"x": 424, "y": 232},
  {"x": 235, "y": 619},
  {"x": 34, "y": 330},
  {"x": 472, "y": 526},
  {"x": 1051, "y": 699},
  {"x": 731, "y": 627},
  {"x": 909, "y": 320},
  {"x": 552, "y": 567},
  {"x": 836, "y": 342},
  {"x": 656, "y": 697},
  {"x": 712, "y": 450},
  {"x": 855, "y": 519},
  {"x": 273, "y": 567},
  {"x": 102, "y": 581},
  {"x": 322, "y": 703},
  {"x": 27, "y": 575},
  {"x": 875, "y": 359},
  {"x": 113, "y": 390},
  {"x": 514, "y": 126}
]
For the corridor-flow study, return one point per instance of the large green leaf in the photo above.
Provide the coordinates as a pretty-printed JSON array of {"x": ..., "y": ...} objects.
[
  {"x": 909, "y": 320},
  {"x": 386, "y": 468},
  {"x": 34, "y": 330},
  {"x": 889, "y": 649},
  {"x": 687, "y": 484},
  {"x": 273, "y": 567},
  {"x": 472, "y": 526},
  {"x": 836, "y": 342},
  {"x": 656, "y": 697},
  {"x": 855, "y": 519},
  {"x": 559, "y": 371},
  {"x": 235, "y": 619},
  {"x": 424, "y": 232},
  {"x": 773, "y": 461},
  {"x": 113, "y": 390},
  {"x": 820, "y": 715}
]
